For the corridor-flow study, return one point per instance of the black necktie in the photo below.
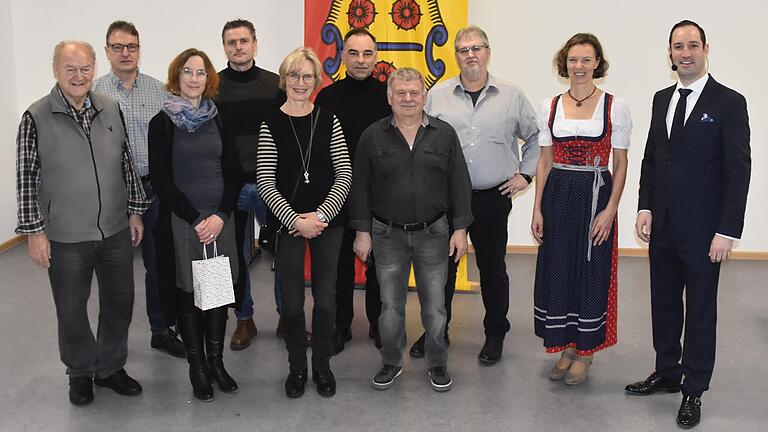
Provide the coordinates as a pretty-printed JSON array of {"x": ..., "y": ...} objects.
[{"x": 679, "y": 118}]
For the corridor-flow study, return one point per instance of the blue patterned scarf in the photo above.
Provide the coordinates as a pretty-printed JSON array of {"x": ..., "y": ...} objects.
[{"x": 185, "y": 116}]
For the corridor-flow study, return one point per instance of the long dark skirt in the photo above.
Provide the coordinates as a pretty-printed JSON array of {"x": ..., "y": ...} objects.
[{"x": 575, "y": 299}]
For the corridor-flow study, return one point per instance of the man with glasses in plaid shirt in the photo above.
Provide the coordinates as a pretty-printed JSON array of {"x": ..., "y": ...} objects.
[
  {"x": 80, "y": 204},
  {"x": 140, "y": 97}
]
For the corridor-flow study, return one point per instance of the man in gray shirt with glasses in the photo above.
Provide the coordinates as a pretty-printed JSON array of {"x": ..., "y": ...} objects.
[{"x": 490, "y": 116}]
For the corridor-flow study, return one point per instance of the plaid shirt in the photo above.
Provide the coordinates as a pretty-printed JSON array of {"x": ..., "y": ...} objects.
[
  {"x": 139, "y": 105},
  {"x": 30, "y": 217}
]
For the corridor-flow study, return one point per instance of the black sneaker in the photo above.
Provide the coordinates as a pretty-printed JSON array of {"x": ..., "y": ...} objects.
[
  {"x": 386, "y": 376},
  {"x": 439, "y": 378},
  {"x": 169, "y": 343}
]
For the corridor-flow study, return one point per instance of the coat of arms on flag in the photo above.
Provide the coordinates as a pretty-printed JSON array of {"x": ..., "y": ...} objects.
[{"x": 416, "y": 33}]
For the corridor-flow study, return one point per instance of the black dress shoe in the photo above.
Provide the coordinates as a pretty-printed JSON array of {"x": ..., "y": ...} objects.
[
  {"x": 490, "y": 354},
  {"x": 689, "y": 414},
  {"x": 80, "y": 390},
  {"x": 294, "y": 384},
  {"x": 652, "y": 384},
  {"x": 417, "y": 349},
  {"x": 168, "y": 343},
  {"x": 121, "y": 383},
  {"x": 325, "y": 382},
  {"x": 342, "y": 336}
]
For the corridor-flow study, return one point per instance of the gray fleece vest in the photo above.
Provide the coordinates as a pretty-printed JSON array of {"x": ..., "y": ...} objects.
[{"x": 82, "y": 194}]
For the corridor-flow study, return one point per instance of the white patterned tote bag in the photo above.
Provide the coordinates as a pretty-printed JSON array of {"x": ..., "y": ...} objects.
[{"x": 212, "y": 281}]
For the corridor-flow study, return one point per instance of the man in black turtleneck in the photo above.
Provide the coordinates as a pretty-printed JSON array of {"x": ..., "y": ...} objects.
[
  {"x": 246, "y": 93},
  {"x": 357, "y": 100}
]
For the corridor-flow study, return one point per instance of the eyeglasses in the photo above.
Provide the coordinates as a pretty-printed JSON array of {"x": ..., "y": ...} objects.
[
  {"x": 200, "y": 73},
  {"x": 294, "y": 78},
  {"x": 118, "y": 48},
  {"x": 474, "y": 48}
]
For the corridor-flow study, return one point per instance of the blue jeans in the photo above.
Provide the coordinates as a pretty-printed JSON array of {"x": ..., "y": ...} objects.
[
  {"x": 395, "y": 250},
  {"x": 249, "y": 201},
  {"x": 157, "y": 322}
]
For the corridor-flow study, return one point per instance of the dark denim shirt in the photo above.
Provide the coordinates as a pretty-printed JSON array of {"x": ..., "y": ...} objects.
[{"x": 404, "y": 185}]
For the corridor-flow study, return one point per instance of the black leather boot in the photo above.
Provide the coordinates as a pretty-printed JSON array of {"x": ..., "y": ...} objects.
[
  {"x": 215, "y": 327},
  {"x": 190, "y": 325}
]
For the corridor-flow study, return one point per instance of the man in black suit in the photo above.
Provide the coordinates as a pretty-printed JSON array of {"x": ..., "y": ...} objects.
[{"x": 693, "y": 194}]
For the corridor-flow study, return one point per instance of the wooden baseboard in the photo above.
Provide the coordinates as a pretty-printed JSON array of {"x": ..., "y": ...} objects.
[
  {"x": 641, "y": 252},
  {"x": 12, "y": 242},
  {"x": 511, "y": 249}
]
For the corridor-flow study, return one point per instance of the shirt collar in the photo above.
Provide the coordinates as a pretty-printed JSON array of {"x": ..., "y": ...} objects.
[
  {"x": 458, "y": 87},
  {"x": 68, "y": 106},
  {"x": 424, "y": 121},
  {"x": 697, "y": 86},
  {"x": 117, "y": 83}
]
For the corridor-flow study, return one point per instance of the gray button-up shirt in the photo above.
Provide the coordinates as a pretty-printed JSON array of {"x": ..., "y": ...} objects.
[
  {"x": 139, "y": 106},
  {"x": 489, "y": 131}
]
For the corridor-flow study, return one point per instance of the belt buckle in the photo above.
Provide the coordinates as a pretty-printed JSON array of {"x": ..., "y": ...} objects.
[{"x": 415, "y": 226}]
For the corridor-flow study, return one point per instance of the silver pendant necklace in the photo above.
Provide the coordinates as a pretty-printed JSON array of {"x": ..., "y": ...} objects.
[{"x": 305, "y": 159}]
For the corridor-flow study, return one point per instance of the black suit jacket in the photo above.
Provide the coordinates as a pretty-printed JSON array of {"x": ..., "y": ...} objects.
[{"x": 701, "y": 182}]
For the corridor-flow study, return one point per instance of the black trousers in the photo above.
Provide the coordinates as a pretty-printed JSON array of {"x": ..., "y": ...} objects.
[
  {"x": 345, "y": 286},
  {"x": 71, "y": 272},
  {"x": 680, "y": 264},
  {"x": 488, "y": 233},
  {"x": 324, "y": 251}
]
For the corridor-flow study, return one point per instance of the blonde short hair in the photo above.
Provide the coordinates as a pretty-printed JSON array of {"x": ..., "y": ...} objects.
[{"x": 293, "y": 61}]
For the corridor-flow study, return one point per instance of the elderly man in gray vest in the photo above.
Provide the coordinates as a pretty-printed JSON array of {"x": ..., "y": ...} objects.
[{"x": 80, "y": 204}]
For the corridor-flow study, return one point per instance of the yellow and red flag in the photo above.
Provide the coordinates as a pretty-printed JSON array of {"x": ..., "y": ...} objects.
[{"x": 416, "y": 33}]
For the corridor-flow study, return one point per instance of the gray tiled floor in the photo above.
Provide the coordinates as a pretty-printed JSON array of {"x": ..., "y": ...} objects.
[{"x": 514, "y": 395}]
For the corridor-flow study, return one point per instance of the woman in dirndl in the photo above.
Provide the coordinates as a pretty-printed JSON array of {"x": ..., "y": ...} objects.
[{"x": 574, "y": 215}]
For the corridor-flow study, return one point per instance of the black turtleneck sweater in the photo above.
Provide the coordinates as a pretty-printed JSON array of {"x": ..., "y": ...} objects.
[
  {"x": 244, "y": 98},
  {"x": 357, "y": 104}
]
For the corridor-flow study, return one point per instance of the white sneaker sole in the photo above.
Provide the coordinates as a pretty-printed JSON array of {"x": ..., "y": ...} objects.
[
  {"x": 386, "y": 385},
  {"x": 439, "y": 387}
]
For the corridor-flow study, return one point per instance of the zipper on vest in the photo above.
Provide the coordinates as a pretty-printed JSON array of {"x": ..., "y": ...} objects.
[
  {"x": 95, "y": 171},
  {"x": 98, "y": 185}
]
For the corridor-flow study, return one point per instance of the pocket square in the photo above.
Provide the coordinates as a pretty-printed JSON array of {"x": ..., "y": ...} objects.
[{"x": 705, "y": 118}]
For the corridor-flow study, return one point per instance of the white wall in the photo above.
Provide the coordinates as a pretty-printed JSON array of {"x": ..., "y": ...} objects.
[
  {"x": 524, "y": 35},
  {"x": 9, "y": 120}
]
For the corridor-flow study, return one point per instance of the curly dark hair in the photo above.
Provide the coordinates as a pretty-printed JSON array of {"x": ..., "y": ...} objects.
[{"x": 561, "y": 57}]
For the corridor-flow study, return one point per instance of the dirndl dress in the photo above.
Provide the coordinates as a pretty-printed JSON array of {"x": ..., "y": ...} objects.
[{"x": 575, "y": 304}]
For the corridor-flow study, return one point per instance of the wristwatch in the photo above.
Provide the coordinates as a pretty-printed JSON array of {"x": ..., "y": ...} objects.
[{"x": 321, "y": 217}]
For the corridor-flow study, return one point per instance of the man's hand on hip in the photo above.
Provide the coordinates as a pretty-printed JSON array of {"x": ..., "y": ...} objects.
[{"x": 513, "y": 185}]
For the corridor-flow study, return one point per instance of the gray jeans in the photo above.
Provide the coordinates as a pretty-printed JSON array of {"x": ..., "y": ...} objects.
[
  {"x": 396, "y": 250},
  {"x": 71, "y": 271}
]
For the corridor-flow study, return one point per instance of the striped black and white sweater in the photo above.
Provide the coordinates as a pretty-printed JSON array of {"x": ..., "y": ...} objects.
[{"x": 279, "y": 166}]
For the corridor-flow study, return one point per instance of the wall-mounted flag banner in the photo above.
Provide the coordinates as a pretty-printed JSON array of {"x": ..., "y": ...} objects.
[{"x": 416, "y": 33}]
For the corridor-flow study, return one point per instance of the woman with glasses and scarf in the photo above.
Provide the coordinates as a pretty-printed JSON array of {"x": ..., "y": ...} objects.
[
  {"x": 303, "y": 173},
  {"x": 194, "y": 170}
]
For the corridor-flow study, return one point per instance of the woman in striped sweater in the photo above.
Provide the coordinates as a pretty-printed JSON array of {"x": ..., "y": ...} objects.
[{"x": 304, "y": 174}]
